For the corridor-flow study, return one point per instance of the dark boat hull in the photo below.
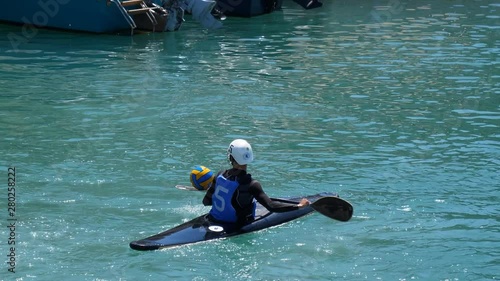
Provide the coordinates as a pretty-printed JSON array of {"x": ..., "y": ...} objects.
[
  {"x": 202, "y": 229},
  {"x": 248, "y": 8},
  {"x": 88, "y": 16}
]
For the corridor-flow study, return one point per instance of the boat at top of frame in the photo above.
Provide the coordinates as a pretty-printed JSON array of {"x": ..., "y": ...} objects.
[{"x": 108, "y": 16}]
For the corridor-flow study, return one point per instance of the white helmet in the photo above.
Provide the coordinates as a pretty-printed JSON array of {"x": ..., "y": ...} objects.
[{"x": 241, "y": 151}]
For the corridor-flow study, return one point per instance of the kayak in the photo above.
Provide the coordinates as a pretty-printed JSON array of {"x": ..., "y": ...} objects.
[{"x": 203, "y": 229}]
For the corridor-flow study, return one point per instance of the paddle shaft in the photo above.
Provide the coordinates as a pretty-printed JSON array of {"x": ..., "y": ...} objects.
[{"x": 330, "y": 206}]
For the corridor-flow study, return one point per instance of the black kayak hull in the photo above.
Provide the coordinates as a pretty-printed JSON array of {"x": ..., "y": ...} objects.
[{"x": 202, "y": 229}]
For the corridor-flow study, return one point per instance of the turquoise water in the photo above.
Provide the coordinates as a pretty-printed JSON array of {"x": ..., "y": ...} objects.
[{"x": 393, "y": 105}]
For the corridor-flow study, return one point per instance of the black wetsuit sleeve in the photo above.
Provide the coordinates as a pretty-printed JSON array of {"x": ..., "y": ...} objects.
[
  {"x": 207, "y": 200},
  {"x": 273, "y": 206}
]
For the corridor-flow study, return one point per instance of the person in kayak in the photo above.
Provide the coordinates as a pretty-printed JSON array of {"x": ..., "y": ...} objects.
[{"x": 234, "y": 192}]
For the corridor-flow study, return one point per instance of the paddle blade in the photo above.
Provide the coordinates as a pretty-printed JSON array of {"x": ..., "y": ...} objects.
[
  {"x": 333, "y": 207},
  {"x": 186, "y": 187}
]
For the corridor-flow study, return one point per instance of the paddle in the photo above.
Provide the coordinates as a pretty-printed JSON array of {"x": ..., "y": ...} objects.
[
  {"x": 333, "y": 207},
  {"x": 186, "y": 187}
]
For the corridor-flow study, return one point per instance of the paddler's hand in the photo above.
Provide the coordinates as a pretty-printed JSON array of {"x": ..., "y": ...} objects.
[{"x": 304, "y": 202}]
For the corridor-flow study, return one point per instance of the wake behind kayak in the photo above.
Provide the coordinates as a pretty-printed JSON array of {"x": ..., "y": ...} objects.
[{"x": 202, "y": 229}]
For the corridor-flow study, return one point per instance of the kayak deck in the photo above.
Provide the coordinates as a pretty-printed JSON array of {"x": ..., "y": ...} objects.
[{"x": 202, "y": 229}]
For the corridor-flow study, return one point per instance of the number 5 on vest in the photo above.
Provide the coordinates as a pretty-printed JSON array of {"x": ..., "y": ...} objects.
[{"x": 220, "y": 203}]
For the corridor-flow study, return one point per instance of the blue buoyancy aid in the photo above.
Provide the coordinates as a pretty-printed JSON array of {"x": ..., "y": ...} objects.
[{"x": 222, "y": 207}]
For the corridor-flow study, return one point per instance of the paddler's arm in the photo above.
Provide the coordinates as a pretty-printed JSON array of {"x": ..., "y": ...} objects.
[
  {"x": 207, "y": 200},
  {"x": 273, "y": 206}
]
